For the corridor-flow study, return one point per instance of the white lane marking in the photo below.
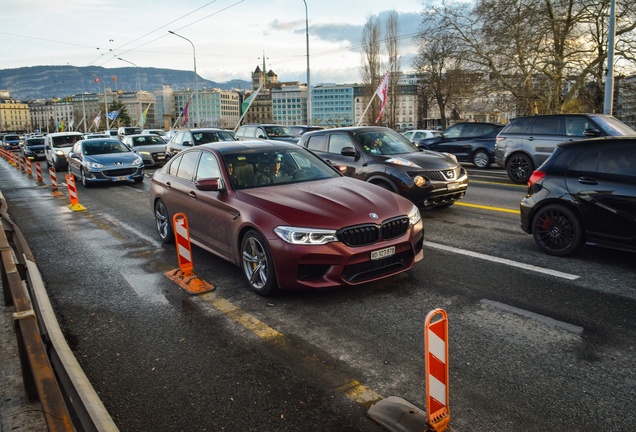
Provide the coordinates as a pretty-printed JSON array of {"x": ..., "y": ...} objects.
[{"x": 504, "y": 261}]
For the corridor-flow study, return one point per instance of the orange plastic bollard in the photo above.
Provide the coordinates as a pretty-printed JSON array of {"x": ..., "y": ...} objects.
[
  {"x": 38, "y": 173},
  {"x": 436, "y": 361},
  {"x": 54, "y": 190},
  {"x": 72, "y": 193},
  {"x": 183, "y": 276},
  {"x": 28, "y": 167}
]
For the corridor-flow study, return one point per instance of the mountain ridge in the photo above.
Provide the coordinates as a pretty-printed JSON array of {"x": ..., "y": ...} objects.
[{"x": 49, "y": 81}]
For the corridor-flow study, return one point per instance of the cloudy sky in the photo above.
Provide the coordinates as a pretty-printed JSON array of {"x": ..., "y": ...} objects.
[{"x": 230, "y": 36}]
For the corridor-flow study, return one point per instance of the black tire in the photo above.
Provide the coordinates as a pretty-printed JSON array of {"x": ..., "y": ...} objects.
[
  {"x": 87, "y": 184},
  {"x": 557, "y": 230},
  {"x": 257, "y": 264},
  {"x": 520, "y": 168},
  {"x": 163, "y": 222},
  {"x": 138, "y": 180},
  {"x": 481, "y": 159},
  {"x": 383, "y": 185}
]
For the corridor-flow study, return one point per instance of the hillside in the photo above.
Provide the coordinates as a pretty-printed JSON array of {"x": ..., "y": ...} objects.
[{"x": 41, "y": 82}]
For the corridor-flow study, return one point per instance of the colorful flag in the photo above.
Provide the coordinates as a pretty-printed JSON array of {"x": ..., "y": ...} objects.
[
  {"x": 248, "y": 102},
  {"x": 97, "y": 119},
  {"x": 71, "y": 123},
  {"x": 114, "y": 77},
  {"x": 185, "y": 112},
  {"x": 113, "y": 115},
  {"x": 382, "y": 90},
  {"x": 96, "y": 80},
  {"x": 143, "y": 115}
]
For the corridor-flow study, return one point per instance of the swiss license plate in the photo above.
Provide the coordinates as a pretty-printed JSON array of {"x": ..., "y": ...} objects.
[
  {"x": 121, "y": 178},
  {"x": 453, "y": 186},
  {"x": 382, "y": 253}
]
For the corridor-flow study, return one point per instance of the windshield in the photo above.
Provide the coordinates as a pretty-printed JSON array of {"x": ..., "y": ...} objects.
[
  {"x": 211, "y": 137},
  {"x": 65, "y": 140},
  {"x": 34, "y": 142},
  {"x": 259, "y": 168},
  {"x": 278, "y": 131},
  {"x": 385, "y": 142},
  {"x": 91, "y": 148},
  {"x": 148, "y": 140},
  {"x": 613, "y": 126}
]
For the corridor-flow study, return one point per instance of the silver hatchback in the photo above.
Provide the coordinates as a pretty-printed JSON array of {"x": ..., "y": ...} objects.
[{"x": 526, "y": 142}]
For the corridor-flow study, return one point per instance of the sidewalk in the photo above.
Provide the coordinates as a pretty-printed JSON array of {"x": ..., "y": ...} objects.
[{"x": 16, "y": 414}]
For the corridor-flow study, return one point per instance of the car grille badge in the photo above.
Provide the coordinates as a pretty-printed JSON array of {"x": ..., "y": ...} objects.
[{"x": 374, "y": 216}]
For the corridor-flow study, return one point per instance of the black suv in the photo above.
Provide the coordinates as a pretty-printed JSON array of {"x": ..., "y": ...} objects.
[
  {"x": 266, "y": 132},
  {"x": 469, "y": 142},
  {"x": 186, "y": 138},
  {"x": 584, "y": 192},
  {"x": 526, "y": 142},
  {"x": 383, "y": 157}
]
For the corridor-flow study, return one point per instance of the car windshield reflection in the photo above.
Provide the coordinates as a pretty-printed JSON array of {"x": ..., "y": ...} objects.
[
  {"x": 385, "y": 143},
  {"x": 104, "y": 147},
  {"x": 251, "y": 169}
]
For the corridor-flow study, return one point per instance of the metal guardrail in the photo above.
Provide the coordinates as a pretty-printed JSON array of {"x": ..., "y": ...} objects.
[{"x": 50, "y": 371}]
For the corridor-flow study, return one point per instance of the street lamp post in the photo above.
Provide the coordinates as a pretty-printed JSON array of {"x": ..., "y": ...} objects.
[
  {"x": 196, "y": 85},
  {"x": 308, "y": 82},
  {"x": 138, "y": 89}
]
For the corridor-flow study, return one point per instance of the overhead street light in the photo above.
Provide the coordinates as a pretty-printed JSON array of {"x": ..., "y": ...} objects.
[
  {"x": 138, "y": 89},
  {"x": 196, "y": 85},
  {"x": 308, "y": 81}
]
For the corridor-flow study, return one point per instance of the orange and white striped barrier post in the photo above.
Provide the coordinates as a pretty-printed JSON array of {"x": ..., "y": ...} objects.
[
  {"x": 54, "y": 190},
  {"x": 72, "y": 194},
  {"x": 399, "y": 415},
  {"x": 436, "y": 360},
  {"x": 28, "y": 167},
  {"x": 183, "y": 276},
  {"x": 18, "y": 162},
  {"x": 38, "y": 174}
]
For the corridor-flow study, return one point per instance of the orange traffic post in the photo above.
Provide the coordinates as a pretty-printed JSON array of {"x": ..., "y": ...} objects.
[
  {"x": 38, "y": 174},
  {"x": 183, "y": 276},
  {"x": 28, "y": 167},
  {"x": 54, "y": 190},
  {"x": 436, "y": 361},
  {"x": 72, "y": 193}
]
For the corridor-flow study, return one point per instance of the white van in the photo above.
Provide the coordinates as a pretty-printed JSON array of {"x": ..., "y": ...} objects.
[{"x": 57, "y": 145}]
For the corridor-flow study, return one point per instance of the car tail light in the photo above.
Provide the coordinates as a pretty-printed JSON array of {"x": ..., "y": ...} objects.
[{"x": 535, "y": 177}]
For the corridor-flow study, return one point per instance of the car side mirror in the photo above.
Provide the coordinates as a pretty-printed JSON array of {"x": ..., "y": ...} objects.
[
  {"x": 209, "y": 185},
  {"x": 73, "y": 155},
  {"x": 348, "y": 151},
  {"x": 186, "y": 144},
  {"x": 592, "y": 132}
]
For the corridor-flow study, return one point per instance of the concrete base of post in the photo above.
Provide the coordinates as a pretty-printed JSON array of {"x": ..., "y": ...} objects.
[{"x": 398, "y": 415}]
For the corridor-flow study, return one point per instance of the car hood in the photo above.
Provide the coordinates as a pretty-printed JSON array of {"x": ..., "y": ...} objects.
[
  {"x": 331, "y": 203},
  {"x": 427, "y": 159},
  {"x": 112, "y": 158}
]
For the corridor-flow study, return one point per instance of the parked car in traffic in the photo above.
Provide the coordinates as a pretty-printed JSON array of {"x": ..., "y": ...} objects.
[
  {"x": 387, "y": 159},
  {"x": 266, "y": 132},
  {"x": 151, "y": 148},
  {"x": 33, "y": 149},
  {"x": 526, "y": 142},
  {"x": 585, "y": 192},
  {"x": 104, "y": 160},
  {"x": 11, "y": 142},
  {"x": 57, "y": 145},
  {"x": 470, "y": 142},
  {"x": 186, "y": 138},
  {"x": 298, "y": 130},
  {"x": 416, "y": 135},
  {"x": 159, "y": 132},
  {"x": 127, "y": 130},
  {"x": 308, "y": 228}
]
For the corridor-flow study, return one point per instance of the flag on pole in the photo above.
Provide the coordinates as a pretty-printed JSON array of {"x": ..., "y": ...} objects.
[
  {"x": 185, "y": 112},
  {"x": 114, "y": 77},
  {"x": 97, "y": 119},
  {"x": 248, "y": 102},
  {"x": 144, "y": 115},
  {"x": 113, "y": 115},
  {"x": 381, "y": 91},
  {"x": 71, "y": 123},
  {"x": 96, "y": 80}
]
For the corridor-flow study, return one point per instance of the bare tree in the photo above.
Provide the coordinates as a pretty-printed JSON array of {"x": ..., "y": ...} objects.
[
  {"x": 371, "y": 64},
  {"x": 392, "y": 47}
]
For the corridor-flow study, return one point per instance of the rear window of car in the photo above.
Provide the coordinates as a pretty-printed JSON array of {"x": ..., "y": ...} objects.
[
  {"x": 545, "y": 126},
  {"x": 317, "y": 143},
  {"x": 518, "y": 126}
]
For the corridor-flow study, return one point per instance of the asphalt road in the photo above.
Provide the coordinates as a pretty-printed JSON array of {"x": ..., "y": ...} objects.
[{"x": 536, "y": 343}]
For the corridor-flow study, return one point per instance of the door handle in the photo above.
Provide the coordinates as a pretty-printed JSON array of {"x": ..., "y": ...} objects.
[
  {"x": 192, "y": 194},
  {"x": 588, "y": 181}
]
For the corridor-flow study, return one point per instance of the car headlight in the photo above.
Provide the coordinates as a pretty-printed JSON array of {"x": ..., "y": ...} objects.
[
  {"x": 305, "y": 236},
  {"x": 403, "y": 162},
  {"x": 414, "y": 216},
  {"x": 94, "y": 165},
  {"x": 138, "y": 162},
  {"x": 59, "y": 153},
  {"x": 145, "y": 153}
]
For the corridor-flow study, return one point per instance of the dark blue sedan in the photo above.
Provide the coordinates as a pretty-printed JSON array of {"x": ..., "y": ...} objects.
[{"x": 104, "y": 160}]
